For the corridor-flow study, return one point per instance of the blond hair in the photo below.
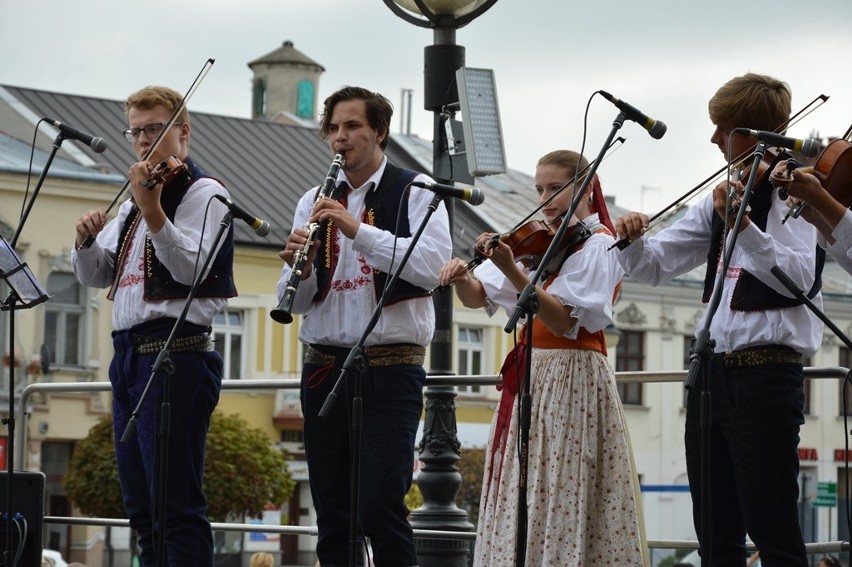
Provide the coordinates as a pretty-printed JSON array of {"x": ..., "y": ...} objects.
[
  {"x": 152, "y": 96},
  {"x": 759, "y": 102}
]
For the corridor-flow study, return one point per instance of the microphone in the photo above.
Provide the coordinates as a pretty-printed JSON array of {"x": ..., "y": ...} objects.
[
  {"x": 97, "y": 144},
  {"x": 261, "y": 227},
  {"x": 470, "y": 195},
  {"x": 807, "y": 147},
  {"x": 656, "y": 128}
]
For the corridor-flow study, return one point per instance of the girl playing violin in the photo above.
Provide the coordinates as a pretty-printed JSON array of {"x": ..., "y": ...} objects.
[{"x": 580, "y": 512}]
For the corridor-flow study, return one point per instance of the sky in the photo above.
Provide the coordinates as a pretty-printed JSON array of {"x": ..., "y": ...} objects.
[{"x": 549, "y": 57}]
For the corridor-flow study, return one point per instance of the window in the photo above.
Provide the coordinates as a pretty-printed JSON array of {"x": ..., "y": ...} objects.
[
  {"x": 259, "y": 98},
  {"x": 469, "y": 356},
  {"x": 64, "y": 319},
  {"x": 845, "y": 361},
  {"x": 630, "y": 357},
  {"x": 292, "y": 436},
  {"x": 228, "y": 334},
  {"x": 305, "y": 99}
]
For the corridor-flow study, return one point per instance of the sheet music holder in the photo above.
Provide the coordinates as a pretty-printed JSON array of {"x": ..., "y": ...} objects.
[{"x": 26, "y": 289}]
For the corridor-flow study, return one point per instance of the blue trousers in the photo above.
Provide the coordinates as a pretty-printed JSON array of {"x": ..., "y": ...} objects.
[
  {"x": 392, "y": 402},
  {"x": 193, "y": 392},
  {"x": 754, "y": 463}
]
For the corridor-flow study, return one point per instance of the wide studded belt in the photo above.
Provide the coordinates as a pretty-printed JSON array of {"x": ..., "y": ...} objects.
[
  {"x": 378, "y": 355},
  {"x": 192, "y": 343},
  {"x": 758, "y": 356}
]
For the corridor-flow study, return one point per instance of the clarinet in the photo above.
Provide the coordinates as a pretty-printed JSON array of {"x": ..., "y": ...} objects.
[{"x": 281, "y": 314}]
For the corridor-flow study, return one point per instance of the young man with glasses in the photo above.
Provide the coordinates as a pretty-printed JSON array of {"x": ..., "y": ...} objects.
[{"x": 148, "y": 256}]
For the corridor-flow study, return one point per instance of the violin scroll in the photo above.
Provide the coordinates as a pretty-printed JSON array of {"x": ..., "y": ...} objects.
[{"x": 781, "y": 180}]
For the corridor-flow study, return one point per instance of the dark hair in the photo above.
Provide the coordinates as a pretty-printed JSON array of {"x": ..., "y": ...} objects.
[
  {"x": 830, "y": 561},
  {"x": 379, "y": 110}
]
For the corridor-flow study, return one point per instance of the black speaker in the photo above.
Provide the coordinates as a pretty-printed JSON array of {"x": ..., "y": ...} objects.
[{"x": 27, "y": 505}]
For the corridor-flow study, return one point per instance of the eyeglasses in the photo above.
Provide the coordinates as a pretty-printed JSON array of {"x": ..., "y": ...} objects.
[{"x": 151, "y": 131}]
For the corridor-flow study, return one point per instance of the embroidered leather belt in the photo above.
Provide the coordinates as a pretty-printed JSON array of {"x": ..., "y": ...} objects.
[
  {"x": 758, "y": 356},
  {"x": 192, "y": 343},
  {"x": 378, "y": 355}
]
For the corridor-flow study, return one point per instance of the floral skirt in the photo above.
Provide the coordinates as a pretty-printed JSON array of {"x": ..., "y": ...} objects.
[{"x": 582, "y": 489}]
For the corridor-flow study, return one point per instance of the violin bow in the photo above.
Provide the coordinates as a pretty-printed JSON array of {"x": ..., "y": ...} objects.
[
  {"x": 801, "y": 114},
  {"x": 610, "y": 150},
  {"x": 171, "y": 121}
]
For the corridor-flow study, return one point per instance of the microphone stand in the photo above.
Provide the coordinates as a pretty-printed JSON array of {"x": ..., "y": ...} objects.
[
  {"x": 12, "y": 300},
  {"x": 166, "y": 365},
  {"x": 528, "y": 305},
  {"x": 57, "y": 142},
  {"x": 702, "y": 352},
  {"x": 355, "y": 360}
]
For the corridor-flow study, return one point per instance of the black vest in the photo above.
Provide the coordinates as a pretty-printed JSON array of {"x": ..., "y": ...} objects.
[
  {"x": 159, "y": 283},
  {"x": 751, "y": 294},
  {"x": 382, "y": 207}
]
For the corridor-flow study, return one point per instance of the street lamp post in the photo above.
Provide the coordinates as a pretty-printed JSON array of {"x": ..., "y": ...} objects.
[{"x": 439, "y": 479}]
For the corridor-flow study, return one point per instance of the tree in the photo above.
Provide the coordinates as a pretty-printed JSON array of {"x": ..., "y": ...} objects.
[
  {"x": 91, "y": 481},
  {"x": 242, "y": 471}
]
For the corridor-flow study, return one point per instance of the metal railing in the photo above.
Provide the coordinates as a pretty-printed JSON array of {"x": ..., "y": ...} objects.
[
  {"x": 455, "y": 380},
  {"x": 677, "y": 544}
]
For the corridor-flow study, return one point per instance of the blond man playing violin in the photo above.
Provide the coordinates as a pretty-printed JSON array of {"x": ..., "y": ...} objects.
[
  {"x": 147, "y": 256},
  {"x": 761, "y": 333}
]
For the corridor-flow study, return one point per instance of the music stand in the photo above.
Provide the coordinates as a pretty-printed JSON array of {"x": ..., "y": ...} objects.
[{"x": 25, "y": 292}]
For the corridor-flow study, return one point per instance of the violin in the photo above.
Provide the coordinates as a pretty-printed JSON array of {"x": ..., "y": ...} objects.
[
  {"x": 165, "y": 172},
  {"x": 530, "y": 241},
  {"x": 834, "y": 170}
]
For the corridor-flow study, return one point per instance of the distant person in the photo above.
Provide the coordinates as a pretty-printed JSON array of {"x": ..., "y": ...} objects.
[
  {"x": 829, "y": 561},
  {"x": 261, "y": 559}
]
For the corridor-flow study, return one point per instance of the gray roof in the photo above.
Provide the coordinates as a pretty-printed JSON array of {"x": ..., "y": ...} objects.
[
  {"x": 265, "y": 165},
  {"x": 15, "y": 157}
]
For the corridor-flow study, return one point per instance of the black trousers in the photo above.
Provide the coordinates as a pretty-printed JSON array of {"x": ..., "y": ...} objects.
[{"x": 754, "y": 462}]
